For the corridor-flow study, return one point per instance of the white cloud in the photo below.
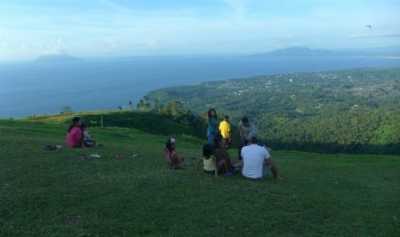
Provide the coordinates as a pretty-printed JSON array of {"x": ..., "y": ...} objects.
[{"x": 113, "y": 28}]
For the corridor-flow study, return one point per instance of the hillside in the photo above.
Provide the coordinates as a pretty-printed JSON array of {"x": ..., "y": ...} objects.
[
  {"x": 64, "y": 193},
  {"x": 339, "y": 111},
  {"x": 150, "y": 122}
]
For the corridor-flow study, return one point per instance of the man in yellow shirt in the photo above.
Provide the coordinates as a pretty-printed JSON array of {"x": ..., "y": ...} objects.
[{"x": 225, "y": 130}]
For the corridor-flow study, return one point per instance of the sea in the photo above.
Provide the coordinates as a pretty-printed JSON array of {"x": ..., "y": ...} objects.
[{"x": 40, "y": 88}]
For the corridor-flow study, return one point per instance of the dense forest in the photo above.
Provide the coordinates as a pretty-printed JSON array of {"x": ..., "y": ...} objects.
[{"x": 340, "y": 111}]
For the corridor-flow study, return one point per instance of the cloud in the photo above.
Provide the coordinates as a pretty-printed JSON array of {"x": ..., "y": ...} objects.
[
  {"x": 233, "y": 26},
  {"x": 239, "y": 7}
]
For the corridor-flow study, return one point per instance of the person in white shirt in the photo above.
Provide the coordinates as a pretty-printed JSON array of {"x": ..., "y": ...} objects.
[{"x": 257, "y": 161}]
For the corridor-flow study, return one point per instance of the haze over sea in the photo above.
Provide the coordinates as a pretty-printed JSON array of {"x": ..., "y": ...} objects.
[{"x": 46, "y": 87}]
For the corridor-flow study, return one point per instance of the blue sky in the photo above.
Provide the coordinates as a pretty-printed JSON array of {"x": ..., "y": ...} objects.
[{"x": 103, "y": 28}]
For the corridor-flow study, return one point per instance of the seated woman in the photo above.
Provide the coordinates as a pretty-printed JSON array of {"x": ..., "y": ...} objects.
[
  {"x": 74, "y": 137},
  {"x": 87, "y": 139},
  {"x": 223, "y": 160},
  {"x": 208, "y": 159},
  {"x": 172, "y": 157}
]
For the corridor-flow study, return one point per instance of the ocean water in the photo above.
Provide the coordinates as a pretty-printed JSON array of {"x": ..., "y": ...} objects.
[{"x": 45, "y": 88}]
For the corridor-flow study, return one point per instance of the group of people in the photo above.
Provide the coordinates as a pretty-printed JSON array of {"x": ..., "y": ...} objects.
[
  {"x": 78, "y": 135},
  {"x": 255, "y": 161}
]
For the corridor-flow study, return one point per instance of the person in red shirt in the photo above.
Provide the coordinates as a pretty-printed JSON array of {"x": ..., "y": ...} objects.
[{"x": 75, "y": 135}]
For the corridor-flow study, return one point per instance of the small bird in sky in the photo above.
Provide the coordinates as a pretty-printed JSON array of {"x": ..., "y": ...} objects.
[{"x": 369, "y": 26}]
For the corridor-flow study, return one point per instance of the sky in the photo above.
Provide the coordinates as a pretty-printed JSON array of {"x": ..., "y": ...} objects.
[{"x": 114, "y": 28}]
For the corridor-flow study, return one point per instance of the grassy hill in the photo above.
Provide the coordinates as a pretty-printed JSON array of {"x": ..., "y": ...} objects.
[
  {"x": 154, "y": 123},
  {"x": 62, "y": 193}
]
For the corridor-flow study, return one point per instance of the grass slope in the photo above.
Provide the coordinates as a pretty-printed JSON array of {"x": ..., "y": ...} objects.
[
  {"x": 148, "y": 122},
  {"x": 56, "y": 194}
]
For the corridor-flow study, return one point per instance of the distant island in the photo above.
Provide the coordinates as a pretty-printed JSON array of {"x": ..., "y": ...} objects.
[{"x": 56, "y": 58}]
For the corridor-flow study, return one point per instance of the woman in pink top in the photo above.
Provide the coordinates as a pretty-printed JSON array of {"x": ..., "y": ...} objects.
[{"x": 75, "y": 135}]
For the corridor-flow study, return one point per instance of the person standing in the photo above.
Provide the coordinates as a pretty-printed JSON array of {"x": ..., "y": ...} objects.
[
  {"x": 225, "y": 130},
  {"x": 246, "y": 131},
  {"x": 212, "y": 129}
]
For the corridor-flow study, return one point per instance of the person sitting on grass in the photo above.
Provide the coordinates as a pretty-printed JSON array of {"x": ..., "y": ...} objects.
[
  {"x": 87, "y": 139},
  {"x": 208, "y": 159},
  {"x": 223, "y": 160},
  {"x": 257, "y": 161},
  {"x": 172, "y": 157},
  {"x": 225, "y": 130},
  {"x": 75, "y": 136}
]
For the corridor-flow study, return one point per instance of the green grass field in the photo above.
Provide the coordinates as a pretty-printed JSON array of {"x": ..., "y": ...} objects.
[{"x": 58, "y": 193}]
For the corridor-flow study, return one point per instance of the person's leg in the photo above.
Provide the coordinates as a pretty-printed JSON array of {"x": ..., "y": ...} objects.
[
  {"x": 89, "y": 143},
  {"x": 221, "y": 167},
  {"x": 225, "y": 167},
  {"x": 176, "y": 161}
]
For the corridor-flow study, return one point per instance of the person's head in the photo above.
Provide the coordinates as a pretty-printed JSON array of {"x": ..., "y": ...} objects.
[
  {"x": 212, "y": 113},
  {"x": 208, "y": 151},
  {"x": 245, "y": 121},
  {"x": 83, "y": 126},
  {"x": 76, "y": 122},
  {"x": 226, "y": 118},
  {"x": 171, "y": 144},
  {"x": 253, "y": 140}
]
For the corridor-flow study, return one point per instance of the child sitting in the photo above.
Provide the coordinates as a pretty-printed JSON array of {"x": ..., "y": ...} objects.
[
  {"x": 224, "y": 163},
  {"x": 208, "y": 159},
  {"x": 173, "y": 159},
  {"x": 87, "y": 139}
]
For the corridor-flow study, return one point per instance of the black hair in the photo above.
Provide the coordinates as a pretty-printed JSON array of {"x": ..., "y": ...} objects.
[
  {"x": 84, "y": 125},
  {"x": 226, "y": 117},
  {"x": 254, "y": 140},
  {"x": 217, "y": 140},
  {"x": 208, "y": 151},
  {"x": 245, "y": 120},
  {"x": 210, "y": 113},
  {"x": 75, "y": 120},
  {"x": 169, "y": 144}
]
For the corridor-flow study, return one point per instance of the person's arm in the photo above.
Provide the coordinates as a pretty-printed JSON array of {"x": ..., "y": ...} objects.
[
  {"x": 271, "y": 164},
  {"x": 240, "y": 130},
  {"x": 273, "y": 167},
  {"x": 167, "y": 155}
]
